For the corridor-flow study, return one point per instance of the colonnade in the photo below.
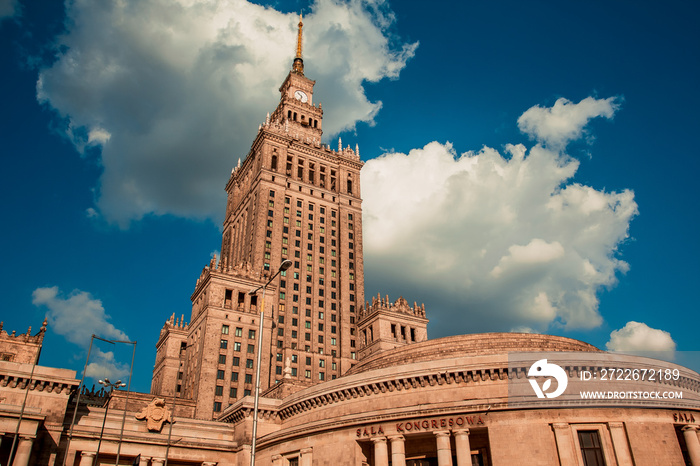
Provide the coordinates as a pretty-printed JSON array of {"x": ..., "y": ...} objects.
[
  {"x": 87, "y": 458},
  {"x": 442, "y": 440},
  {"x": 24, "y": 451},
  {"x": 690, "y": 434}
]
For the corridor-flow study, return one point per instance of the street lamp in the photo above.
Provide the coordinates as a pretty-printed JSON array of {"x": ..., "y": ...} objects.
[
  {"x": 106, "y": 383},
  {"x": 283, "y": 266}
]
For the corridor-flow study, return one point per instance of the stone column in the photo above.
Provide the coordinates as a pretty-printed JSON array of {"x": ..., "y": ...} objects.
[
  {"x": 305, "y": 456},
  {"x": 381, "y": 455},
  {"x": 565, "y": 444},
  {"x": 620, "y": 444},
  {"x": 444, "y": 450},
  {"x": 398, "y": 453},
  {"x": 24, "y": 451},
  {"x": 692, "y": 443},
  {"x": 87, "y": 458},
  {"x": 143, "y": 460},
  {"x": 157, "y": 461},
  {"x": 464, "y": 450}
]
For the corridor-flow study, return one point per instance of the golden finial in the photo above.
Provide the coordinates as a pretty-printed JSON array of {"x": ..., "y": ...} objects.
[
  {"x": 298, "y": 65},
  {"x": 301, "y": 25}
]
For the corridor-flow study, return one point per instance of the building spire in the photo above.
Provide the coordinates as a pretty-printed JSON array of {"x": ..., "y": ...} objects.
[{"x": 298, "y": 65}]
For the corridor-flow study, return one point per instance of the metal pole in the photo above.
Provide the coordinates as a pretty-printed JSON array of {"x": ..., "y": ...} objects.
[
  {"x": 24, "y": 404},
  {"x": 126, "y": 403},
  {"x": 257, "y": 376},
  {"x": 77, "y": 401},
  {"x": 283, "y": 266},
  {"x": 170, "y": 433},
  {"x": 99, "y": 442}
]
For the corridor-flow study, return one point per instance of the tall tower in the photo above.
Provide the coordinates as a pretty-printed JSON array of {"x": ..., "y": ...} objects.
[
  {"x": 295, "y": 198},
  {"x": 291, "y": 198}
]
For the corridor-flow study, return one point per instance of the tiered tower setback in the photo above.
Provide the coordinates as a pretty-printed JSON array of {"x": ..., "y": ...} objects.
[{"x": 291, "y": 198}]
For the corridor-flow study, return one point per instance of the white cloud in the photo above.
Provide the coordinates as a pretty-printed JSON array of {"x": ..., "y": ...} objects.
[
  {"x": 77, "y": 317},
  {"x": 565, "y": 121},
  {"x": 103, "y": 365},
  {"x": 491, "y": 241},
  {"x": 638, "y": 337},
  {"x": 173, "y": 90}
]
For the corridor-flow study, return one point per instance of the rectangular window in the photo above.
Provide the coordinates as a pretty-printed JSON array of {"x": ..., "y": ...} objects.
[
  {"x": 220, "y": 374},
  {"x": 246, "y": 392},
  {"x": 233, "y": 392},
  {"x": 217, "y": 406},
  {"x": 239, "y": 331},
  {"x": 219, "y": 390},
  {"x": 223, "y": 344},
  {"x": 591, "y": 449},
  {"x": 251, "y": 348},
  {"x": 307, "y": 374},
  {"x": 236, "y": 346},
  {"x": 236, "y": 361},
  {"x": 248, "y": 378},
  {"x": 224, "y": 329},
  {"x": 249, "y": 363},
  {"x": 234, "y": 376},
  {"x": 251, "y": 333},
  {"x": 222, "y": 359}
]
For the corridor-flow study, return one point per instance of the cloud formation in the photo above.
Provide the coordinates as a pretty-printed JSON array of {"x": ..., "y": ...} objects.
[
  {"x": 565, "y": 121},
  {"x": 492, "y": 241},
  {"x": 77, "y": 317},
  {"x": 638, "y": 337},
  {"x": 169, "y": 92}
]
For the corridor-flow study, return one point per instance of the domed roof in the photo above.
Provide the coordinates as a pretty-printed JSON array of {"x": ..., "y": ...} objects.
[{"x": 477, "y": 344}]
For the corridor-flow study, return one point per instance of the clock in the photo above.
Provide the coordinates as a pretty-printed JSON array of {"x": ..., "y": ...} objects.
[{"x": 301, "y": 95}]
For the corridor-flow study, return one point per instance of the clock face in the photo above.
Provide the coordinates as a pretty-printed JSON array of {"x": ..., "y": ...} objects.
[{"x": 300, "y": 95}]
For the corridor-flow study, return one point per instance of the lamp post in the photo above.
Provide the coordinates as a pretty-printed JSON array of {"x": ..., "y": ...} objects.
[
  {"x": 283, "y": 266},
  {"x": 106, "y": 383},
  {"x": 77, "y": 401}
]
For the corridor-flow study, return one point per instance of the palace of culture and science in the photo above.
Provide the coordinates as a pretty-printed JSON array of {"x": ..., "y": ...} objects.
[
  {"x": 291, "y": 198},
  {"x": 343, "y": 381}
]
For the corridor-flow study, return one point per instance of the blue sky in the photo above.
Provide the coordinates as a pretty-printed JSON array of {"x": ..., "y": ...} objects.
[{"x": 578, "y": 218}]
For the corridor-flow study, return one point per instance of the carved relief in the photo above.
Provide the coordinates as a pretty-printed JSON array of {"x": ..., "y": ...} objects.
[{"x": 155, "y": 415}]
